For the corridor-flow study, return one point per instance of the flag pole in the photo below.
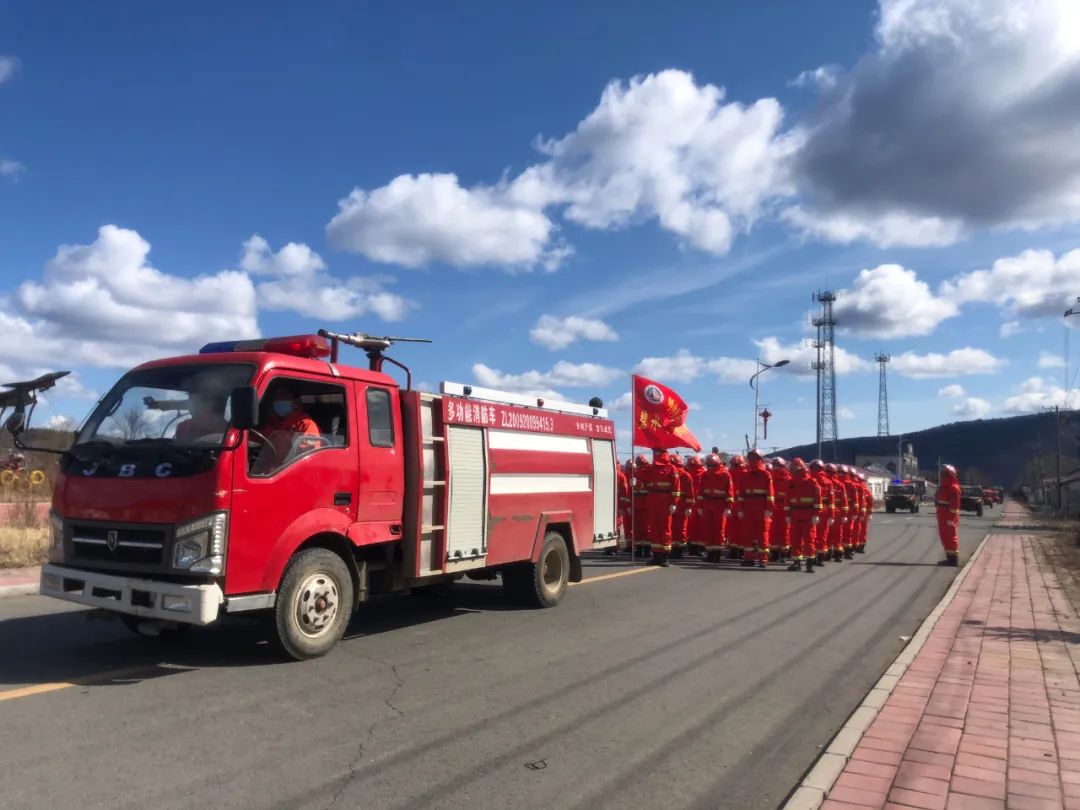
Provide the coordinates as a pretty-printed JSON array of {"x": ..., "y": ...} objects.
[{"x": 633, "y": 474}]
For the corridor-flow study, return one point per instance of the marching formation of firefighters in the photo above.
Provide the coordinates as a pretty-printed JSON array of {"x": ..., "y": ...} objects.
[{"x": 754, "y": 511}]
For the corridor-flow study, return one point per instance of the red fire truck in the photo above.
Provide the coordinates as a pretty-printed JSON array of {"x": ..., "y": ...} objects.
[{"x": 266, "y": 476}]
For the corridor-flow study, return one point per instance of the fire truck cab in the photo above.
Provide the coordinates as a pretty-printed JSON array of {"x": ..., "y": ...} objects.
[{"x": 266, "y": 476}]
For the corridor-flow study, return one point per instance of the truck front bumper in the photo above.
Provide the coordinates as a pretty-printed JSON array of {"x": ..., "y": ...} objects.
[{"x": 150, "y": 599}]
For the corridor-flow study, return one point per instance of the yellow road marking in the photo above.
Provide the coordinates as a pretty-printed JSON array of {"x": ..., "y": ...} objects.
[
  {"x": 86, "y": 680},
  {"x": 616, "y": 575}
]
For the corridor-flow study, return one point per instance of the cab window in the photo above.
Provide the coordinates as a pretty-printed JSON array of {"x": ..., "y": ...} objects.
[
  {"x": 296, "y": 418},
  {"x": 380, "y": 420}
]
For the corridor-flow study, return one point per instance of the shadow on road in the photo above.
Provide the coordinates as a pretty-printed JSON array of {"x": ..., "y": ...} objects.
[{"x": 75, "y": 647}]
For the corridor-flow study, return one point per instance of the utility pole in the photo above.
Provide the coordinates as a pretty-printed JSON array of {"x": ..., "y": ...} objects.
[
  {"x": 826, "y": 368},
  {"x": 1057, "y": 419},
  {"x": 900, "y": 457},
  {"x": 883, "y": 396}
]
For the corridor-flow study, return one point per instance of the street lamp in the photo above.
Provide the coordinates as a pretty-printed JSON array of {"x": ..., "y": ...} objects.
[{"x": 754, "y": 384}]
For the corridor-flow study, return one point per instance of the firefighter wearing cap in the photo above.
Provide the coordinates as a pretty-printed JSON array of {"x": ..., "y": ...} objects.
[
  {"x": 639, "y": 531},
  {"x": 734, "y": 536},
  {"x": 716, "y": 498},
  {"x": 804, "y": 506},
  {"x": 820, "y": 471},
  {"x": 694, "y": 543},
  {"x": 839, "y": 514},
  {"x": 755, "y": 501},
  {"x": 853, "y": 492},
  {"x": 779, "y": 541},
  {"x": 868, "y": 515},
  {"x": 681, "y": 519},
  {"x": 947, "y": 501},
  {"x": 662, "y": 483}
]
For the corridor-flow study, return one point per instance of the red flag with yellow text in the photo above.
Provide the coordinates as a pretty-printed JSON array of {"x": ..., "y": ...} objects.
[{"x": 660, "y": 417}]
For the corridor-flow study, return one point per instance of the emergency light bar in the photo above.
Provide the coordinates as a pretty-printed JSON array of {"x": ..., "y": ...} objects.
[
  {"x": 504, "y": 397},
  {"x": 311, "y": 346}
]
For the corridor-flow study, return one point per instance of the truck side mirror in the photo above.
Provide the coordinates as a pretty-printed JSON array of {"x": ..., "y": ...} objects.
[{"x": 244, "y": 407}]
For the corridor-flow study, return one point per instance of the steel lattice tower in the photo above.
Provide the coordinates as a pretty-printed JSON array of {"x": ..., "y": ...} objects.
[
  {"x": 826, "y": 372},
  {"x": 883, "y": 396}
]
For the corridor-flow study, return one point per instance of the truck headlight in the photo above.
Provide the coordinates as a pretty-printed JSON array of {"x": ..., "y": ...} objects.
[{"x": 199, "y": 546}]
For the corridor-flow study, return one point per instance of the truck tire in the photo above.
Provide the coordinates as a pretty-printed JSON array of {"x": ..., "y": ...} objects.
[
  {"x": 541, "y": 584},
  {"x": 314, "y": 604}
]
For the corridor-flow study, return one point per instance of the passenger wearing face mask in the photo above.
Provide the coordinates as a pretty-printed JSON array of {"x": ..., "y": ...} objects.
[{"x": 285, "y": 421}]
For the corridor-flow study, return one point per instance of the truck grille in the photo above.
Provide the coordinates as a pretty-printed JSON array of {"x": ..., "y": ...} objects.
[{"x": 98, "y": 543}]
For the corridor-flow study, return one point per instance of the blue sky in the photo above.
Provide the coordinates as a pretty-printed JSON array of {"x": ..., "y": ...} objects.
[{"x": 675, "y": 183}]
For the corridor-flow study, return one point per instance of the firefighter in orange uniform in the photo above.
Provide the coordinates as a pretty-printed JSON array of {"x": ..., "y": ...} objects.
[
  {"x": 819, "y": 470},
  {"x": 662, "y": 483},
  {"x": 715, "y": 499},
  {"x": 804, "y": 507},
  {"x": 681, "y": 519},
  {"x": 755, "y": 502},
  {"x": 839, "y": 514},
  {"x": 622, "y": 486},
  {"x": 779, "y": 541},
  {"x": 694, "y": 543},
  {"x": 868, "y": 515},
  {"x": 947, "y": 501},
  {"x": 853, "y": 492},
  {"x": 640, "y": 530},
  {"x": 734, "y": 535}
]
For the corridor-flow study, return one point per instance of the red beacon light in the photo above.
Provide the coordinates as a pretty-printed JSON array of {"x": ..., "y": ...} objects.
[{"x": 311, "y": 346}]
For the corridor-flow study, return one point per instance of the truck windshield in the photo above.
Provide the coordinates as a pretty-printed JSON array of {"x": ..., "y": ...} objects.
[
  {"x": 901, "y": 490},
  {"x": 177, "y": 405}
]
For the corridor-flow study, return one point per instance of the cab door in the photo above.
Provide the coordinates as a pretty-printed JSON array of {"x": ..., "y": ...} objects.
[
  {"x": 381, "y": 481},
  {"x": 277, "y": 504}
]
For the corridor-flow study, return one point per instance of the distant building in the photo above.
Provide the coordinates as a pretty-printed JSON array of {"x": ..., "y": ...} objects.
[{"x": 890, "y": 465}]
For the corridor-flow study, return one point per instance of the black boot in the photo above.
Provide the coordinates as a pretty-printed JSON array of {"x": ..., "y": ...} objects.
[
  {"x": 747, "y": 563},
  {"x": 609, "y": 552},
  {"x": 761, "y": 564},
  {"x": 662, "y": 560},
  {"x": 860, "y": 549},
  {"x": 795, "y": 566},
  {"x": 848, "y": 554},
  {"x": 809, "y": 565},
  {"x": 838, "y": 555},
  {"x": 820, "y": 558}
]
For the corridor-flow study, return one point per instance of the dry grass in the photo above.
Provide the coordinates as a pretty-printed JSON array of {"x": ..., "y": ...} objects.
[{"x": 20, "y": 546}]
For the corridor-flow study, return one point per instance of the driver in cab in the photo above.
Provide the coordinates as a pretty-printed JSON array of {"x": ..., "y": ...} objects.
[{"x": 285, "y": 421}]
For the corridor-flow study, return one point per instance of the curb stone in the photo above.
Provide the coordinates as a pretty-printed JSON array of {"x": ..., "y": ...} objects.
[{"x": 810, "y": 793}]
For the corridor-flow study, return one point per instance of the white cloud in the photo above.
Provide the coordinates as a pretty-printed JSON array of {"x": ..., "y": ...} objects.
[
  {"x": 58, "y": 422},
  {"x": 103, "y": 304},
  {"x": 1032, "y": 284},
  {"x": 659, "y": 147},
  {"x": 972, "y": 408},
  {"x": 680, "y": 367},
  {"x": 296, "y": 280},
  {"x": 11, "y": 169},
  {"x": 962, "y": 115},
  {"x": 953, "y": 391},
  {"x": 543, "y": 383},
  {"x": 1035, "y": 394},
  {"x": 802, "y": 355},
  {"x": 9, "y": 66},
  {"x": 420, "y": 219},
  {"x": 823, "y": 77},
  {"x": 953, "y": 364},
  {"x": 732, "y": 369},
  {"x": 845, "y": 413},
  {"x": 890, "y": 301},
  {"x": 1009, "y": 329},
  {"x": 623, "y": 402},
  {"x": 1048, "y": 360},
  {"x": 558, "y": 333}
]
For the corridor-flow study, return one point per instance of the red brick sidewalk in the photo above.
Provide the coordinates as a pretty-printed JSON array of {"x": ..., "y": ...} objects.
[{"x": 988, "y": 712}]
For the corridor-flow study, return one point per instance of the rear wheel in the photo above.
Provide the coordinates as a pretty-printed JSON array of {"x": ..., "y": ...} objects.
[
  {"x": 541, "y": 584},
  {"x": 314, "y": 604}
]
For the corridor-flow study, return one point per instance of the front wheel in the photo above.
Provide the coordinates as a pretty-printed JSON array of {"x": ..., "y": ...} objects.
[
  {"x": 314, "y": 604},
  {"x": 541, "y": 584},
  {"x": 152, "y": 628}
]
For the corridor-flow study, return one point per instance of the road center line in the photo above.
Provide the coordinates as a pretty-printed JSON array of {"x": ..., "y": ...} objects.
[
  {"x": 85, "y": 680},
  {"x": 616, "y": 575}
]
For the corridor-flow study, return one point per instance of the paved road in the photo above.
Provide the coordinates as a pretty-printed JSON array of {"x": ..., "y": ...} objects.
[{"x": 684, "y": 687}]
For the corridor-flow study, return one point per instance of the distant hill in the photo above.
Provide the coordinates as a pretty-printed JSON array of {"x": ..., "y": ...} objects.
[{"x": 999, "y": 451}]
